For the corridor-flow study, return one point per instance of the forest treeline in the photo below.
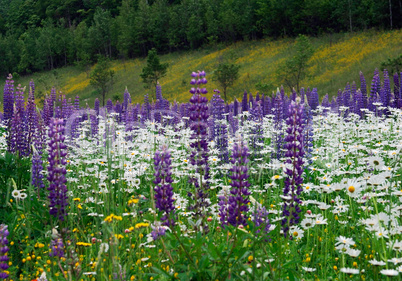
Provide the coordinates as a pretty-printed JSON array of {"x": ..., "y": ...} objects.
[{"x": 40, "y": 35}]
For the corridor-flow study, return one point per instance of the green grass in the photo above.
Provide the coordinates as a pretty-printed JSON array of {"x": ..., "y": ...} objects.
[{"x": 337, "y": 60}]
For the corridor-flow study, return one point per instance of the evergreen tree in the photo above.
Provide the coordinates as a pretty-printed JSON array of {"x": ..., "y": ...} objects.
[
  {"x": 154, "y": 70},
  {"x": 226, "y": 74},
  {"x": 101, "y": 77}
]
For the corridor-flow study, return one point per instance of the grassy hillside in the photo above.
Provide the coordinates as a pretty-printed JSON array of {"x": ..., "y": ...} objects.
[{"x": 338, "y": 59}]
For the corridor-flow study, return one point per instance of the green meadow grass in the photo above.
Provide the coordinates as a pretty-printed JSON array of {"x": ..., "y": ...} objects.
[{"x": 338, "y": 59}]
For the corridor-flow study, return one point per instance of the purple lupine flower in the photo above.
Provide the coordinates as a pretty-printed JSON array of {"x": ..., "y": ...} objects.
[
  {"x": 396, "y": 91},
  {"x": 19, "y": 99},
  {"x": 325, "y": 103},
  {"x": 47, "y": 111},
  {"x": 56, "y": 245},
  {"x": 302, "y": 95},
  {"x": 385, "y": 93},
  {"x": 294, "y": 153},
  {"x": 294, "y": 95},
  {"x": 146, "y": 108},
  {"x": 16, "y": 140},
  {"x": 282, "y": 92},
  {"x": 374, "y": 91},
  {"x": 260, "y": 219},
  {"x": 267, "y": 106},
  {"x": 163, "y": 190},
  {"x": 37, "y": 168},
  {"x": 244, "y": 102},
  {"x": 3, "y": 251},
  {"x": 359, "y": 103},
  {"x": 218, "y": 127},
  {"x": 109, "y": 106},
  {"x": 57, "y": 170},
  {"x": 353, "y": 90},
  {"x": 8, "y": 99},
  {"x": 158, "y": 92},
  {"x": 127, "y": 100},
  {"x": 239, "y": 193},
  {"x": 53, "y": 95},
  {"x": 157, "y": 231},
  {"x": 235, "y": 107},
  {"x": 346, "y": 95},
  {"x": 96, "y": 106},
  {"x": 400, "y": 91},
  {"x": 198, "y": 111},
  {"x": 363, "y": 89},
  {"x": 223, "y": 204}
]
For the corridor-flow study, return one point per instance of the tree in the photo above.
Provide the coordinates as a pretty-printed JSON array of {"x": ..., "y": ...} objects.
[
  {"x": 101, "y": 77},
  {"x": 226, "y": 74},
  {"x": 294, "y": 70},
  {"x": 393, "y": 65},
  {"x": 154, "y": 70}
]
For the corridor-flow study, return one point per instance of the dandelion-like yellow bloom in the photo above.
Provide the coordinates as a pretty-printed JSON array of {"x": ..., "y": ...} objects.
[
  {"x": 83, "y": 244},
  {"x": 133, "y": 201},
  {"x": 113, "y": 217},
  {"x": 141, "y": 224}
]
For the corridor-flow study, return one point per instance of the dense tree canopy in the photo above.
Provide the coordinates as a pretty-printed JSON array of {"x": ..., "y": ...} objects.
[{"x": 44, "y": 34}]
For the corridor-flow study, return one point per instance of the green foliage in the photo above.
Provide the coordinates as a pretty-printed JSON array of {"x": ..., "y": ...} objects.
[
  {"x": 393, "y": 65},
  {"x": 154, "y": 70},
  {"x": 226, "y": 74},
  {"x": 43, "y": 34},
  {"x": 101, "y": 77},
  {"x": 264, "y": 87},
  {"x": 294, "y": 70}
]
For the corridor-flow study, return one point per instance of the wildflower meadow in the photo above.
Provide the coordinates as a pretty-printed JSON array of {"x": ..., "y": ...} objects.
[{"x": 287, "y": 186}]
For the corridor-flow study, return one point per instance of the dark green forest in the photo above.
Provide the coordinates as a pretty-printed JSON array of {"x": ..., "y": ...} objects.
[{"x": 38, "y": 35}]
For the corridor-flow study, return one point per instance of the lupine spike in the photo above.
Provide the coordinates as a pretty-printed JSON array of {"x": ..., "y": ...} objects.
[
  {"x": 57, "y": 170},
  {"x": 294, "y": 153}
]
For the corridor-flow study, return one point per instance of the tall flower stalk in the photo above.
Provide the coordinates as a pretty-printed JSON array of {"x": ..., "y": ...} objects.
[
  {"x": 8, "y": 99},
  {"x": 294, "y": 152},
  {"x": 3, "y": 251},
  {"x": 239, "y": 194},
  {"x": 199, "y": 155},
  {"x": 57, "y": 170},
  {"x": 164, "y": 191}
]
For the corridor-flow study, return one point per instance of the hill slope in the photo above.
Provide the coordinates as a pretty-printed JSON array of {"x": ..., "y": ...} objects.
[{"x": 337, "y": 60}]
